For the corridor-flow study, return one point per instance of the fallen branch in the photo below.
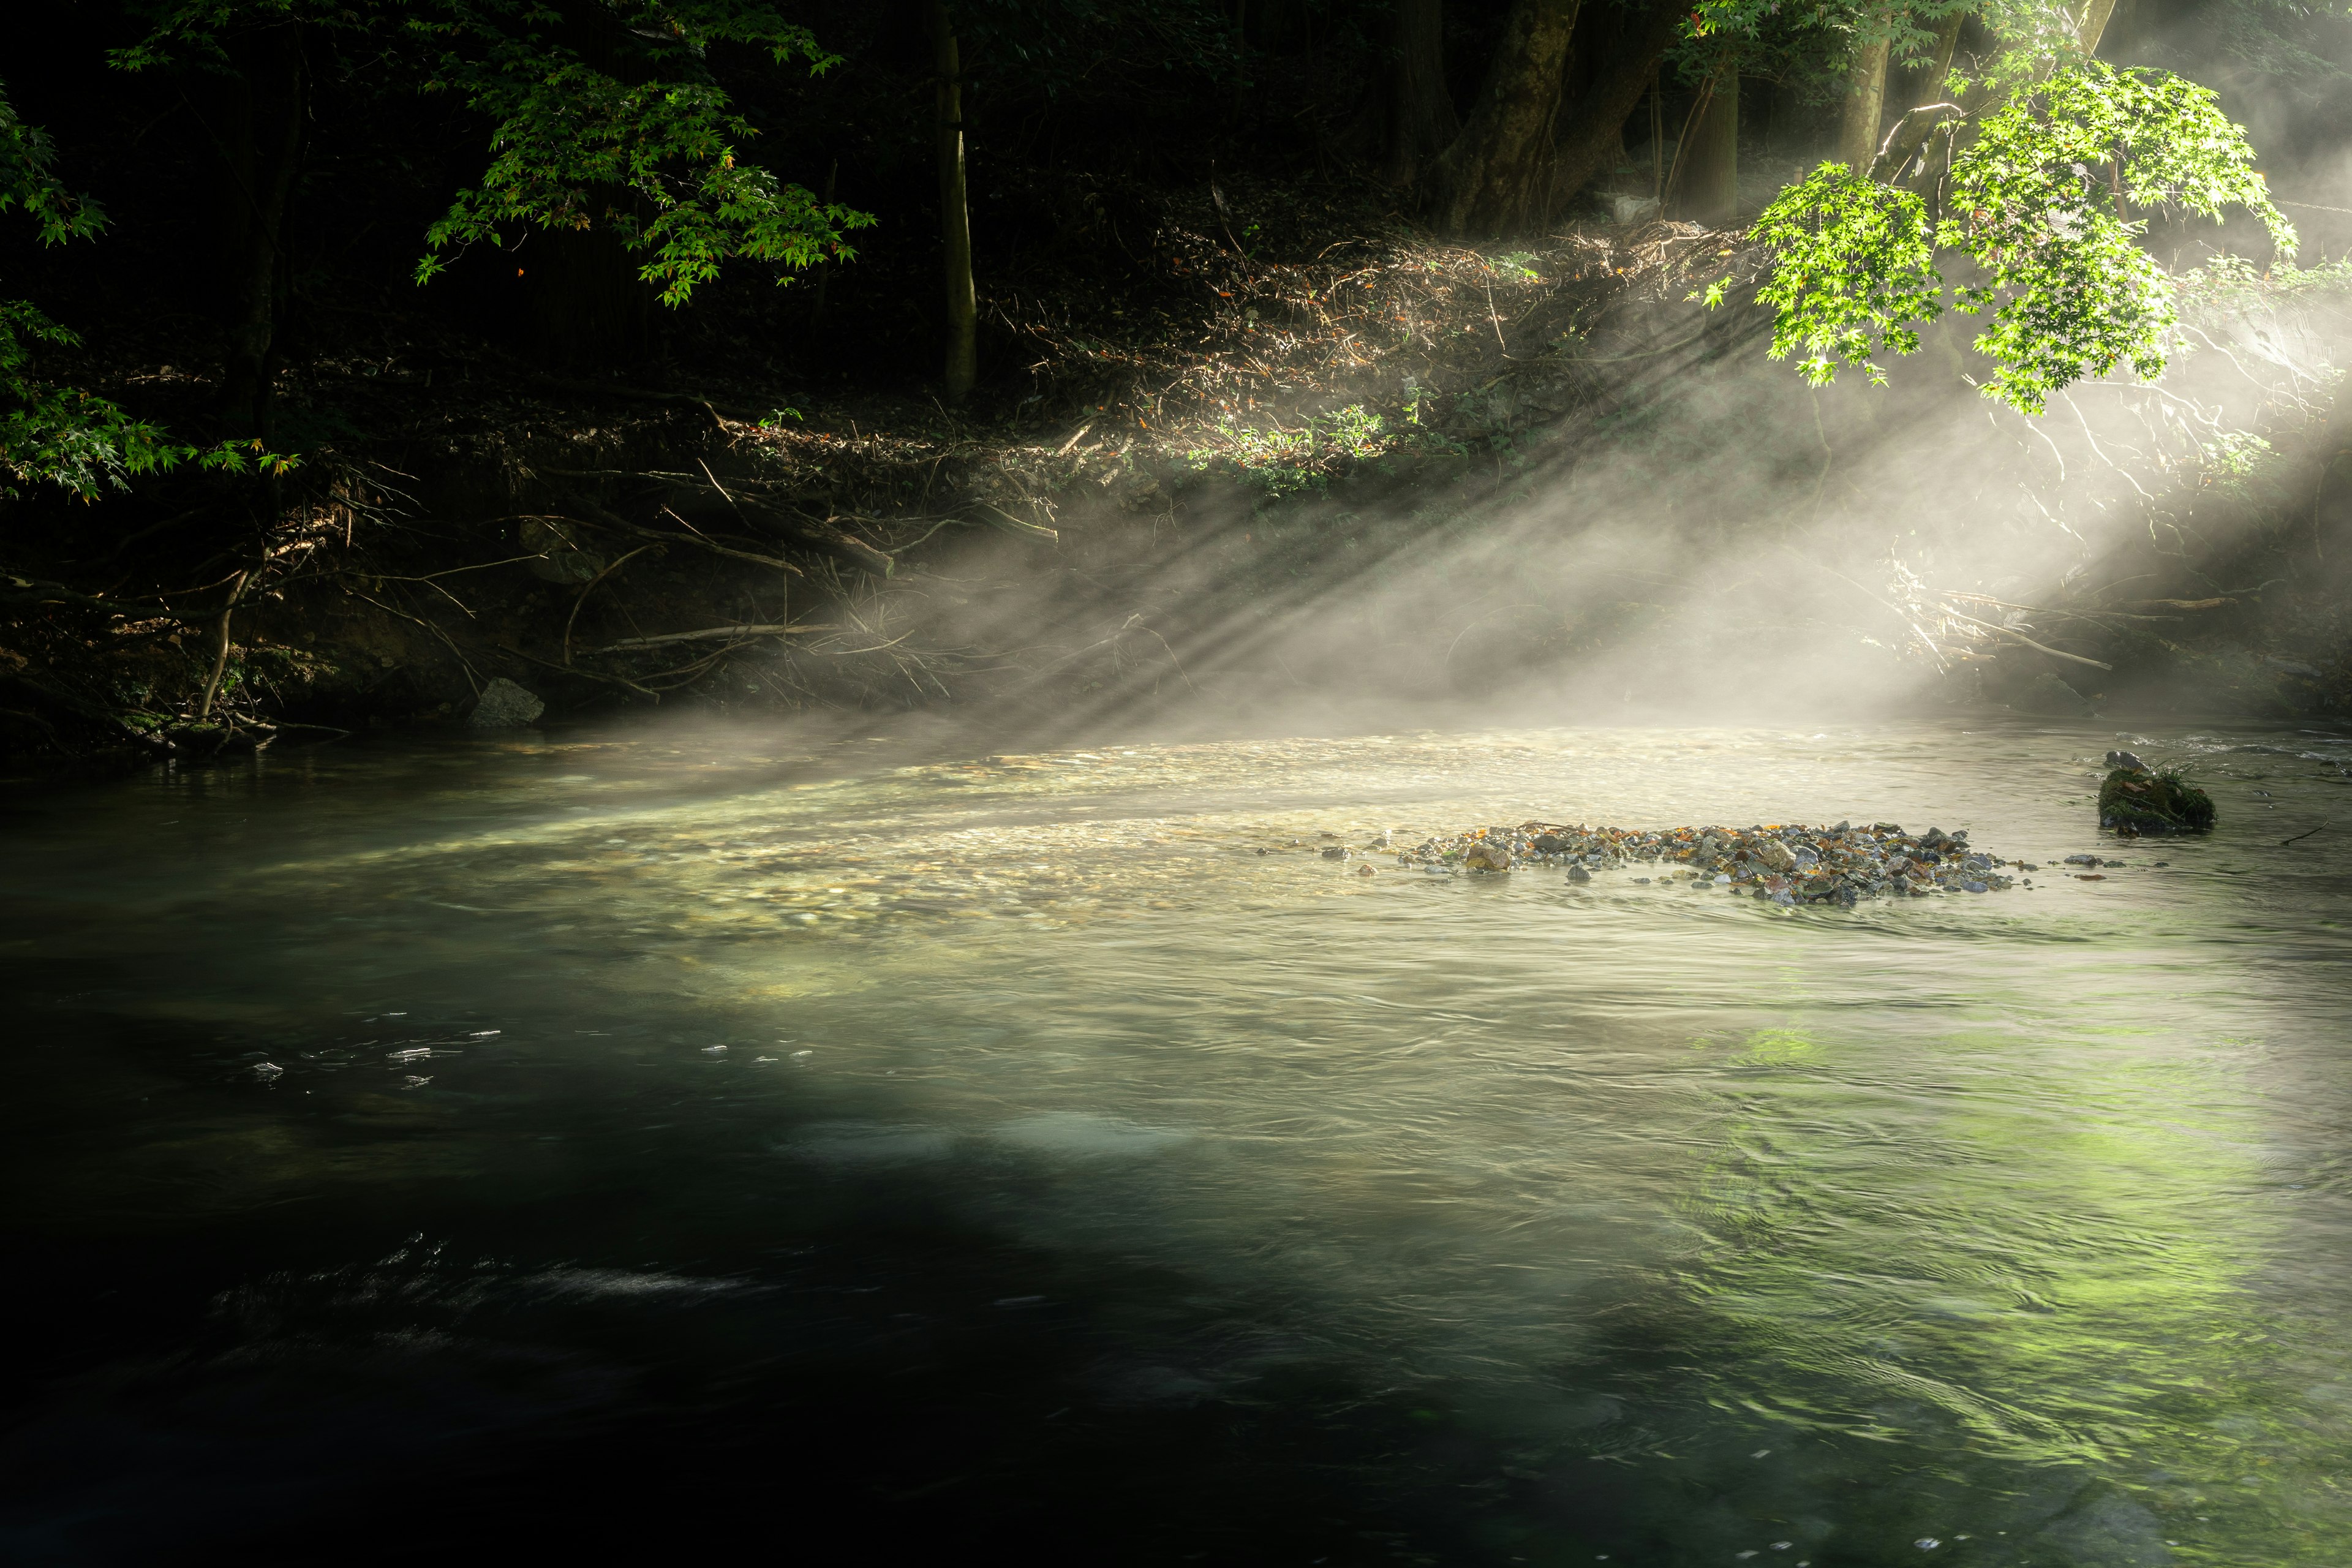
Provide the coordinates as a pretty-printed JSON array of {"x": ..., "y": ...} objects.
[
  {"x": 708, "y": 632},
  {"x": 2021, "y": 636},
  {"x": 597, "y": 517}
]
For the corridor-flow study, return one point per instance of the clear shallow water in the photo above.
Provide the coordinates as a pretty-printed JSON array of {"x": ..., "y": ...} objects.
[{"x": 675, "y": 1138}]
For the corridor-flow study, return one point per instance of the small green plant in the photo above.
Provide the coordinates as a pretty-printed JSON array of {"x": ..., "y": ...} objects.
[{"x": 1282, "y": 462}]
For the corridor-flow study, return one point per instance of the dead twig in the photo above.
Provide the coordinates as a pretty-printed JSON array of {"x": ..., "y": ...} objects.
[
  {"x": 705, "y": 633},
  {"x": 568, "y": 620}
]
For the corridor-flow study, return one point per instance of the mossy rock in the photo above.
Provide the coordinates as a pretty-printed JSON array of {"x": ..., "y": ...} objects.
[{"x": 2162, "y": 802}]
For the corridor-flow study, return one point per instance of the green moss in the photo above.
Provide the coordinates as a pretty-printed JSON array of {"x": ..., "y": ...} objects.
[{"x": 2161, "y": 802}]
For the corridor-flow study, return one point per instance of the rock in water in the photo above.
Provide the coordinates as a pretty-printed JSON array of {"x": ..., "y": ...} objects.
[
  {"x": 2140, "y": 800},
  {"x": 504, "y": 705},
  {"x": 2126, "y": 760},
  {"x": 1775, "y": 855},
  {"x": 1487, "y": 857}
]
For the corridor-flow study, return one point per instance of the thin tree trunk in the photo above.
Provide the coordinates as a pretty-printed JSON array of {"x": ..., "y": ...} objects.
[
  {"x": 1707, "y": 190},
  {"x": 220, "y": 645},
  {"x": 955, "y": 214},
  {"x": 1589, "y": 141},
  {"x": 1657, "y": 140},
  {"x": 2094, "y": 25},
  {"x": 1497, "y": 175},
  {"x": 1864, "y": 107},
  {"x": 824, "y": 272},
  {"x": 265, "y": 155},
  {"x": 1421, "y": 122}
]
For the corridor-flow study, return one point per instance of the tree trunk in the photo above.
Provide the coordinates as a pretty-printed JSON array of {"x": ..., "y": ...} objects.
[
  {"x": 1593, "y": 137},
  {"x": 263, "y": 146},
  {"x": 2094, "y": 25},
  {"x": 955, "y": 214},
  {"x": 1913, "y": 131},
  {"x": 1497, "y": 175},
  {"x": 1864, "y": 107},
  {"x": 1421, "y": 122},
  {"x": 583, "y": 304},
  {"x": 1707, "y": 189}
]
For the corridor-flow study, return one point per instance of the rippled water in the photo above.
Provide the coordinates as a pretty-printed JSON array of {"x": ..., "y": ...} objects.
[{"x": 640, "y": 1139}]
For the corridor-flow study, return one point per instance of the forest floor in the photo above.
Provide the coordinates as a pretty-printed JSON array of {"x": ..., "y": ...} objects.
[{"x": 1275, "y": 398}]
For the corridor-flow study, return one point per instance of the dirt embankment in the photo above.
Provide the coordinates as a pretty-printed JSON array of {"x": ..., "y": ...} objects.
[{"x": 1300, "y": 410}]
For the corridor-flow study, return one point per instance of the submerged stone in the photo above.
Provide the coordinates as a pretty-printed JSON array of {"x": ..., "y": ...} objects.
[{"x": 1787, "y": 864}]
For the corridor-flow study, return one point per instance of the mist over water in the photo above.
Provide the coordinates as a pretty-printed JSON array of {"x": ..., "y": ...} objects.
[{"x": 671, "y": 1132}]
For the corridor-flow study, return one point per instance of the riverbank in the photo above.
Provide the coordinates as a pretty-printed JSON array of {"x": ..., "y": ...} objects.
[{"x": 1341, "y": 459}]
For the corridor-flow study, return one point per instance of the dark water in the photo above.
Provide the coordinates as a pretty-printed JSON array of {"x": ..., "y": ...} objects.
[{"x": 1074, "y": 1182}]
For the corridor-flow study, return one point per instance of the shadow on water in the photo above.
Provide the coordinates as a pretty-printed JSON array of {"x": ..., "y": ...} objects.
[{"x": 569, "y": 1149}]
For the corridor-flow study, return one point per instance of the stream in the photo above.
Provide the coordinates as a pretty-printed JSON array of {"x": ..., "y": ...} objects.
[{"x": 618, "y": 1141}]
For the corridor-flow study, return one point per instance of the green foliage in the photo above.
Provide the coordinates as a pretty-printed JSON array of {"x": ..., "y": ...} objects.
[
  {"x": 1807, "y": 43},
  {"x": 1856, "y": 267},
  {"x": 652, "y": 159},
  {"x": 2039, "y": 200},
  {"x": 62, "y": 436},
  {"x": 603, "y": 116},
  {"x": 28, "y": 180},
  {"x": 2230, "y": 285},
  {"x": 2070, "y": 292},
  {"x": 1282, "y": 462}
]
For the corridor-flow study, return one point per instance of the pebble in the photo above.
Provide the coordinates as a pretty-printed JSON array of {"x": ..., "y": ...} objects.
[{"x": 1785, "y": 864}]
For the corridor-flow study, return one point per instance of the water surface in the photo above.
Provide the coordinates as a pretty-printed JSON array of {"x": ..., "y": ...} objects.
[{"x": 651, "y": 1138}]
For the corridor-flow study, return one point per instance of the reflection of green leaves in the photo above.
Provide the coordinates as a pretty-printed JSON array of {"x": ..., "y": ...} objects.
[{"x": 2018, "y": 1254}]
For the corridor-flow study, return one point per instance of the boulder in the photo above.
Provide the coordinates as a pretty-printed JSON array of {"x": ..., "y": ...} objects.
[{"x": 504, "y": 705}]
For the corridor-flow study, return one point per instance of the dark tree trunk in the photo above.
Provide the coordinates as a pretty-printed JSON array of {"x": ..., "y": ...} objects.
[
  {"x": 1497, "y": 177},
  {"x": 955, "y": 214},
  {"x": 262, "y": 143},
  {"x": 1706, "y": 186},
  {"x": 584, "y": 303},
  {"x": 1421, "y": 120},
  {"x": 1592, "y": 138}
]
